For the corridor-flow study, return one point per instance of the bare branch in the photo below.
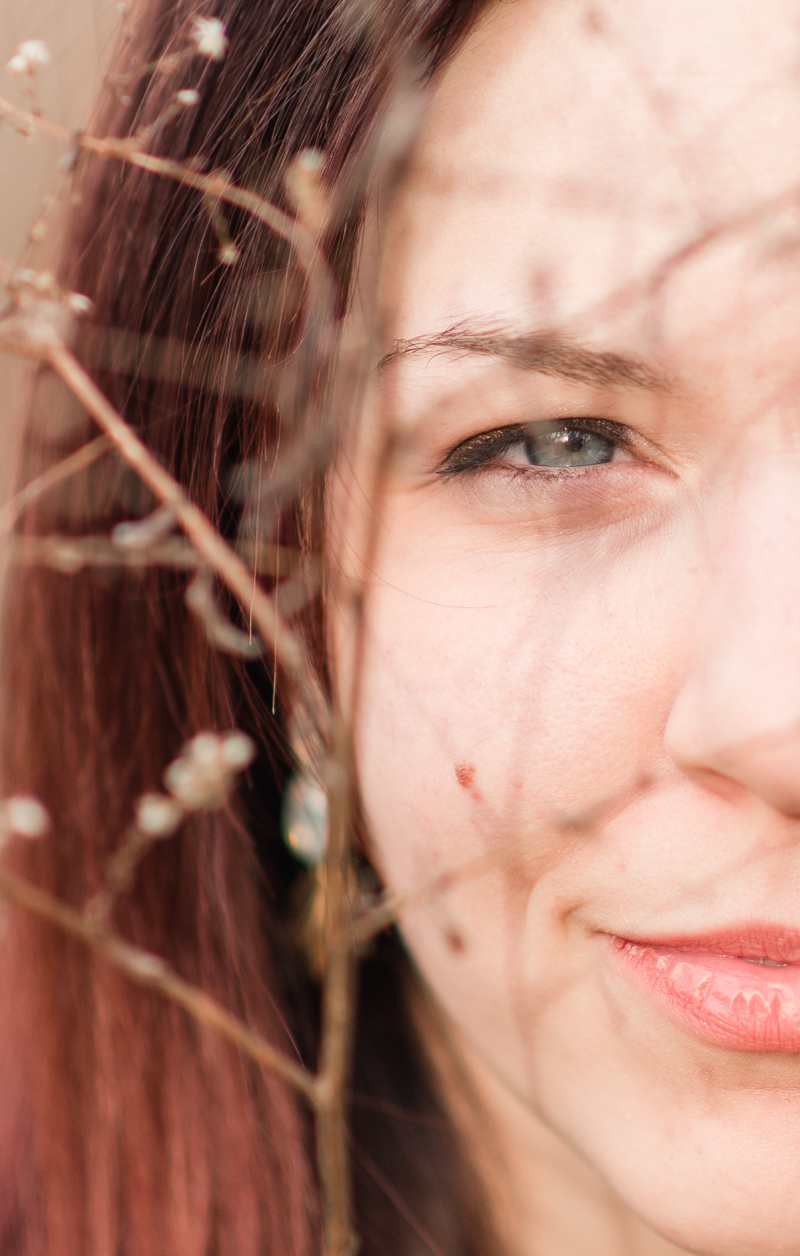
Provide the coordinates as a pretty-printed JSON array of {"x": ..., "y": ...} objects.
[
  {"x": 216, "y": 553},
  {"x": 337, "y": 1013},
  {"x": 216, "y": 186},
  {"x": 79, "y": 461},
  {"x": 72, "y": 553},
  {"x": 69, "y": 554},
  {"x": 220, "y": 631},
  {"x": 153, "y": 972}
]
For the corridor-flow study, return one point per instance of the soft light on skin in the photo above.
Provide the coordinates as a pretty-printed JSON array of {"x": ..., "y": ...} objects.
[{"x": 602, "y": 213}]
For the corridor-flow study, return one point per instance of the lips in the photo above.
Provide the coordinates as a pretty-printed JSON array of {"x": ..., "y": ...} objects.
[{"x": 739, "y": 989}]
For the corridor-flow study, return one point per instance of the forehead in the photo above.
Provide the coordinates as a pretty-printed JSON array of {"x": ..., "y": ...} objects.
[{"x": 573, "y": 149}]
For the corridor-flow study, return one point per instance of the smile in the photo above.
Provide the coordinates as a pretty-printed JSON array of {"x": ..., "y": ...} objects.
[{"x": 739, "y": 990}]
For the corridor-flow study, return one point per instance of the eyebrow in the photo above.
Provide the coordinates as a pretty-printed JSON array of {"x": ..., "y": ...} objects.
[{"x": 549, "y": 352}]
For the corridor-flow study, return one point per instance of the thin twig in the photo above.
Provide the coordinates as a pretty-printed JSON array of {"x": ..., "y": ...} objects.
[
  {"x": 69, "y": 466},
  {"x": 214, "y": 186},
  {"x": 153, "y": 972},
  {"x": 338, "y": 997},
  {"x": 215, "y": 551},
  {"x": 68, "y": 553}
]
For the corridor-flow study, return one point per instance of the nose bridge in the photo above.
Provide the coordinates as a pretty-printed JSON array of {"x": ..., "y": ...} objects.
[{"x": 737, "y": 713}]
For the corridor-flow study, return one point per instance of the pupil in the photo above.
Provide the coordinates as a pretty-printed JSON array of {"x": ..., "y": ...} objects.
[{"x": 568, "y": 447}]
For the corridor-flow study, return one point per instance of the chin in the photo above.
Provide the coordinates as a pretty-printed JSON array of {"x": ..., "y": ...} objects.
[{"x": 698, "y": 1133}]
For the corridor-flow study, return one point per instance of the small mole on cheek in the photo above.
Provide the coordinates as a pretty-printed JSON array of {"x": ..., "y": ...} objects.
[
  {"x": 465, "y": 774},
  {"x": 455, "y": 941},
  {"x": 594, "y": 22}
]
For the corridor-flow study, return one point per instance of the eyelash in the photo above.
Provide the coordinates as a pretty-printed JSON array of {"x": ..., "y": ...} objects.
[{"x": 479, "y": 452}]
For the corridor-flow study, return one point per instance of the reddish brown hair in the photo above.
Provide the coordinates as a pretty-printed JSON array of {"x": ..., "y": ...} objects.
[{"x": 126, "y": 1128}]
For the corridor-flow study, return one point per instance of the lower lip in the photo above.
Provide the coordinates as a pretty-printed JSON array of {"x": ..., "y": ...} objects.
[{"x": 723, "y": 1000}]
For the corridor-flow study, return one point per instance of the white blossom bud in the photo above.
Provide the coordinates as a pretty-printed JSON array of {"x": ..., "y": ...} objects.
[
  {"x": 158, "y": 815},
  {"x": 80, "y": 304},
  {"x": 208, "y": 36},
  {"x": 24, "y": 816},
  {"x": 30, "y": 54},
  {"x": 199, "y": 782},
  {"x": 181, "y": 779},
  {"x": 146, "y": 965},
  {"x": 237, "y": 751},
  {"x": 205, "y": 748},
  {"x": 202, "y": 776},
  {"x": 188, "y": 97}
]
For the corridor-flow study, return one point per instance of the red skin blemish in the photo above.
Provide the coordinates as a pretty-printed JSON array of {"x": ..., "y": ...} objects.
[
  {"x": 465, "y": 774},
  {"x": 455, "y": 941}
]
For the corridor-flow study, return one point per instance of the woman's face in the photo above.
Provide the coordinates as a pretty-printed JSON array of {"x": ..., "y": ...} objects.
[{"x": 583, "y": 588}]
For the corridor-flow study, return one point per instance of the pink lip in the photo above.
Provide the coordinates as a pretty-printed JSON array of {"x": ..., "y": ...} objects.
[{"x": 738, "y": 989}]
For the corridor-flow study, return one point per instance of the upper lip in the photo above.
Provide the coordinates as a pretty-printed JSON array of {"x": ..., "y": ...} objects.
[{"x": 779, "y": 943}]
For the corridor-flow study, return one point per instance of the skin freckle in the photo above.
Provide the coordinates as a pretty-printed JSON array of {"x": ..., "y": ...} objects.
[{"x": 465, "y": 774}]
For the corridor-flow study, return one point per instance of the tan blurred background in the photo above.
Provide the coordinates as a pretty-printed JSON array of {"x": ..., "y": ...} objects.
[{"x": 80, "y": 35}]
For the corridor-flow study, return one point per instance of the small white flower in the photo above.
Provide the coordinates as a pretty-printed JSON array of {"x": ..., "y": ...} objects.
[
  {"x": 202, "y": 776},
  {"x": 209, "y": 37},
  {"x": 198, "y": 778},
  {"x": 25, "y": 816},
  {"x": 237, "y": 751},
  {"x": 204, "y": 748},
  {"x": 29, "y": 55},
  {"x": 185, "y": 783},
  {"x": 79, "y": 304},
  {"x": 148, "y": 967},
  {"x": 158, "y": 815},
  {"x": 188, "y": 97}
]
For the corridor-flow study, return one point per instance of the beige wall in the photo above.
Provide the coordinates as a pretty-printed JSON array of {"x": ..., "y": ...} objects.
[{"x": 80, "y": 35}]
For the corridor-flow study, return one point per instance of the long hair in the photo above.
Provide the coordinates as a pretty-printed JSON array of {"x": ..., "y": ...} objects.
[{"x": 126, "y": 1129}]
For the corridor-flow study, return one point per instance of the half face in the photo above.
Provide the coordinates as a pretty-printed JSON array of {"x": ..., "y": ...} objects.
[{"x": 581, "y": 676}]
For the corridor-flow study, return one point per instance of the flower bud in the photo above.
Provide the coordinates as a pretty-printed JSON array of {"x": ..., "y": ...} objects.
[
  {"x": 157, "y": 815},
  {"x": 237, "y": 751},
  {"x": 24, "y": 816}
]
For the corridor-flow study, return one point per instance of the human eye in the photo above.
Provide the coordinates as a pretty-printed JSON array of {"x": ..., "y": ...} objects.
[{"x": 552, "y": 445}]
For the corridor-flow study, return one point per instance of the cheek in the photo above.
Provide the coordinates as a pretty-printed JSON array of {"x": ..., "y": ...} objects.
[{"x": 502, "y": 688}]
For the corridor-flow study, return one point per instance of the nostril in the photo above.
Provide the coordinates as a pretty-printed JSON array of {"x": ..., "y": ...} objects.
[
  {"x": 704, "y": 745},
  {"x": 768, "y": 766}
]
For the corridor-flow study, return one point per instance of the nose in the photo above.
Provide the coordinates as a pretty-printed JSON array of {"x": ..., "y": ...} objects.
[{"x": 736, "y": 718}]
